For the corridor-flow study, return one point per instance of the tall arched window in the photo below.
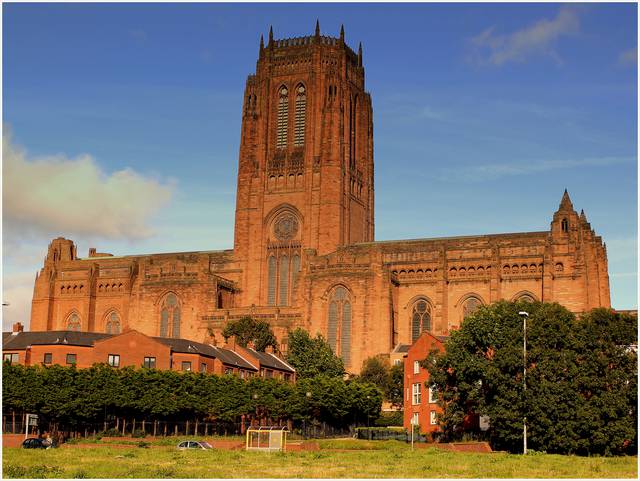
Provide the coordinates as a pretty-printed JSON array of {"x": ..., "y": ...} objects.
[
  {"x": 295, "y": 269},
  {"x": 420, "y": 318},
  {"x": 470, "y": 305},
  {"x": 339, "y": 324},
  {"x": 113, "y": 324},
  {"x": 271, "y": 281},
  {"x": 301, "y": 112},
  {"x": 525, "y": 298},
  {"x": 73, "y": 322},
  {"x": 284, "y": 280},
  {"x": 565, "y": 225},
  {"x": 170, "y": 317},
  {"x": 283, "y": 118}
]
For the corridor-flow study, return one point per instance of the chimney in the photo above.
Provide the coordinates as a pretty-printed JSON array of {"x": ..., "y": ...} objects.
[
  {"x": 269, "y": 350},
  {"x": 251, "y": 345},
  {"x": 18, "y": 327}
]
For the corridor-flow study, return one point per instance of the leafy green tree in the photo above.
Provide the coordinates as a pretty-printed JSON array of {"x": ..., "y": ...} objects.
[
  {"x": 569, "y": 363},
  {"x": 394, "y": 392},
  {"x": 312, "y": 356},
  {"x": 247, "y": 329},
  {"x": 375, "y": 371}
]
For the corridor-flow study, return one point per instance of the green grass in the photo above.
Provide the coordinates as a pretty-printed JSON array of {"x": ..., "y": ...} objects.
[{"x": 370, "y": 459}]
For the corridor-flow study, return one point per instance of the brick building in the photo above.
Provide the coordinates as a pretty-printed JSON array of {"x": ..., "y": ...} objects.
[
  {"x": 304, "y": 253},
  {"x": 132, "y": 348}
]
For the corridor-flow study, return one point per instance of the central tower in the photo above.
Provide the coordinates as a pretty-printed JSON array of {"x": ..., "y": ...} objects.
[{"x": 305, "y": 176}]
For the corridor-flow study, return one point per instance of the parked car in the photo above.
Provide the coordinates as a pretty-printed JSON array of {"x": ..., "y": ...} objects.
[
  {"x": 36, "y": 443},
  {"x": 194, "y": 445}
]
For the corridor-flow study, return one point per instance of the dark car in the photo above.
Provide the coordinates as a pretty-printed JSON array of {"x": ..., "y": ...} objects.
[{"x": 36, "y": 443}]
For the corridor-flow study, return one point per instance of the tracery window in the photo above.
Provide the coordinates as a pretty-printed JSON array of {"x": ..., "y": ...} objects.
[
  {"x": 113, "y": 324},
  {"x": 470, "y": 306},
  {"x": 420, "y": 318},
  {"x": 271, "y": 281},
  {"x": 170, "y": 317},
  {"x": 525, "y": 298},
  {"x": 284, "y": 280},
  {"x": 339, "y": 323},
  {"x": 301, "y": 111},
  {"x": 283, "y": 118},
  {"x": 73, "y": 323}
]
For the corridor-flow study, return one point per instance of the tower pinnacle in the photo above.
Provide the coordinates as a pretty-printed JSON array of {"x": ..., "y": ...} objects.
[
  {"x": 565, "y": 203},
  {"x": 317, "y": 28}
]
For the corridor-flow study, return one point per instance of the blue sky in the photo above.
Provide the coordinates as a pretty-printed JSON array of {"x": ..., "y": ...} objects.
[{"x": 123, "y": 121}]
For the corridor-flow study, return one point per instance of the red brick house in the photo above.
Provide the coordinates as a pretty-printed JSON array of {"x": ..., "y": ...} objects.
[{"x": 420, "y": 401}]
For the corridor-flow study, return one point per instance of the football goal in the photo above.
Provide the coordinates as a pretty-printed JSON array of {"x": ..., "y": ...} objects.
[{"x": 267, "y": 438}]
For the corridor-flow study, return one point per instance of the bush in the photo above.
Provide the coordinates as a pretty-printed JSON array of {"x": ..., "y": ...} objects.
[
  {"x": 138, "y": 433},
  {"x": 394, "y": 418}
]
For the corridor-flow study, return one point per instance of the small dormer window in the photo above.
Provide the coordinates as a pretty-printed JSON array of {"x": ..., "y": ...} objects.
[{"x": 565, "y": 225}]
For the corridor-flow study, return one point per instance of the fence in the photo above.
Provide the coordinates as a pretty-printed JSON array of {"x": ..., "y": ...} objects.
[{"x": 384, "y": 434}]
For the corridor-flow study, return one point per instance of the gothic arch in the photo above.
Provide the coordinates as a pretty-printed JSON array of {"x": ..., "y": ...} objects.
[
  {"x": 339, "y": 312},
  {"x": 169, "y": 314},
  {"x": 279, "y": 210},
  {"x": 524, "y": 294},
  {"x": 420, "y": 317},
  {"x": 112, "y": 321},
  {"x": 73, "y": 321},
  {"x": 469, "y": 303}
]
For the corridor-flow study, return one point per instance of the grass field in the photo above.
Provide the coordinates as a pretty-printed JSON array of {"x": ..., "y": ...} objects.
[{"x": 356, "y": 459}]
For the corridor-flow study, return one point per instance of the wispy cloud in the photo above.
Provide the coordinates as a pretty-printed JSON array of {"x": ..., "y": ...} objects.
[
  {"x": 629, "y": 57},
  {"x": 480, "y": 173},
  {"x": 539, "y": 38},
  {"x": 49, "y": 195}
]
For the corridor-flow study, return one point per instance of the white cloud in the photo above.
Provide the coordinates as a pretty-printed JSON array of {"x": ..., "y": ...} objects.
[
  {"x": 54, "y": 195},
  {"x": 536, "y": 39},
  {"x": 17, "y": 292},
  {"x": 479, "y": 173},
  {"x": 629, "y": 57}
]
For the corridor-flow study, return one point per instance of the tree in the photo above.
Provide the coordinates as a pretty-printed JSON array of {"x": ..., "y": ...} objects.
[
  {"x": 376, "y": 371},
  {"x": 395, "y": 387},
  {"x": 581, "y": 378},
  {"x": 312, "y": 356},
  {"x": 247, "y": 329}
]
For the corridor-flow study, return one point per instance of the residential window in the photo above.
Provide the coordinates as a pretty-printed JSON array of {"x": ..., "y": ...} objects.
[
  {"x": 114, "y": 360},
  {"x": 433, "y": 417},
  {"x": 269, "y": 373},
  {"x": 71, "y": 359},
  {"x": 150, "y": 362},
  {"x": 186, "y": 365},
  {"x": 287, "y": 377},
  {"x": 397, "y": 362},
  {"x": 48, "y": 358},
  {"x": 13, "y": 358},
  {"x": 415, "y": 419},
  {"x": 242, "y": 373},
  {"x": 433, "y": 394},
  {"x": 228, "y": 371},
  {"x": 416, "y": 367},
  {"x": 417, "y": 393}
]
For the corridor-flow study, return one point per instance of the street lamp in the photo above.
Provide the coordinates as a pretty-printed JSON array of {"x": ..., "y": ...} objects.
[
  {"x": 304, "y": 424},
  {"x": 524, "y": 316},
  {"x": 368, "y": 428}
]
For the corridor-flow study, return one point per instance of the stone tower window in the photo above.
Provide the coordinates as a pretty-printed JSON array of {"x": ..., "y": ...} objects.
[
  {"x": 271, "y": 281},
  {"x": 73, "y": 323},
  {"x": 420, "y": 318},
  {"x": 470, "y": 306},
  {"x": 339, "y": 324},
  {"x": 170, "y": 317},
  {"x": 565, "y": 225},
  {"x": 301, "y": 112},
  {"x": 284, "y": 280},
  {"x": 113, "y": 324},
  {"x": 283, "y": 118}
]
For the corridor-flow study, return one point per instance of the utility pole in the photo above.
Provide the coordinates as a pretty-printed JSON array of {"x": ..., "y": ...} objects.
[{"x": 524, "y": 316}]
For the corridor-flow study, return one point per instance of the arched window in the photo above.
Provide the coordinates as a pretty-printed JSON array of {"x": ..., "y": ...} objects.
[
  {"x": 271, "y": 281},
  {"x": 420, "y": 318},
  {"x": 339, "y": 324},
  {"x": 283, "y": 118},
  {"x": 301, "y": 112},
  {"x": 525, "y": 298},
  {"x": 295, "y": 269},
  {"x": 113, "y": 324},
  {"x": 73, "y": 322},
  {"x": 565, "y": 225},
  {"x": 470, "y": 305},
  {"x": 170, "y": 317},
  {"x": 284, "y": 280}
]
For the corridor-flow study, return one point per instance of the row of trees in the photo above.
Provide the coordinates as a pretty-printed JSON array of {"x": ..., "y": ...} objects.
[
  {"x": 581, "y": 384},
  {"x": 69, "y": 395}
]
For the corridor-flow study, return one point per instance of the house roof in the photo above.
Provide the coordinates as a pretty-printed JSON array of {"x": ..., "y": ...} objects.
[
  {"x": 22, "y": 340},
  {"x": 402, "y": 348},
  {"x": 192, "y": 347},
  {"x": 269, "y": 360}
]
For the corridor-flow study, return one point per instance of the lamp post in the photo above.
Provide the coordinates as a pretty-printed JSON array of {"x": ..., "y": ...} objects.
[
  {"x": 255, "y": 398},
  {"x": 304, "y": 426},
  {"x": 368, "y": 427},
  {"x": 524, "y": 316}
]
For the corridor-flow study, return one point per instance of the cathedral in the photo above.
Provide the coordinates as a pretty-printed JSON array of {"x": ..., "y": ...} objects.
[{"x": 304, "y": 253}]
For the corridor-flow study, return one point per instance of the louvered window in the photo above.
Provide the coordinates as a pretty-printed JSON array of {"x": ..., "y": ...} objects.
[
  {"x": 333, "y": 325},
  {"x": 283, "y": 118},
  {"x": 271, "y": 282},
  {"x": 164, "y": 322},
  {"x": 284, "y": 280},
  {"x": 345, "y": 338},
  {"x": 420, "y": 319},
  {"x": 295, "y": 268},
  {"x": 301, "y": 112}
]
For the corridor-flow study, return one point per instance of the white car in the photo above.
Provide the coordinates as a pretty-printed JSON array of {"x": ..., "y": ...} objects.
[{"x": 194, "y": 445}]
